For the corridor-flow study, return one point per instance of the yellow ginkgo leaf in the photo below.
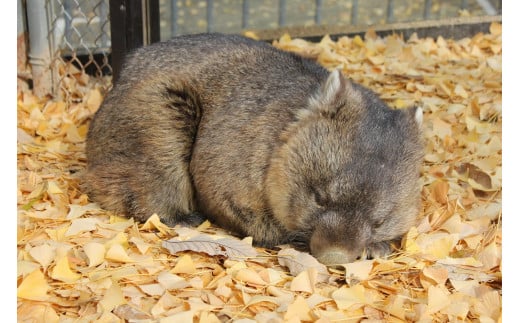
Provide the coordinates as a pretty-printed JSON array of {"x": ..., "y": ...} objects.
[
  {"x": 345, "y": 297},
  {"x": 34, "y": 287},
  {"x": 34, "y": 312},
  {"x": 120, "y": 239},
  {"x": 62, "y": 271},
  {"x": 438, "y": 298},
  {"x": 81, "y": 225},
  {"x": 304, "y": 281},
  {"x": 140, "y": 244},
  {"x": 95, "y": 252},
  {"x": 113, "y": 297},
  {"x": 298, "y": 309},
  {"x": 152, "y": 289},
  {"x": 154, "y": 222},
  {"x": 249, "y": 276},
  {"x": 184, "y": 265},
  {"x": 118, "y": 253},
  {"x": 44, "y": 254}
]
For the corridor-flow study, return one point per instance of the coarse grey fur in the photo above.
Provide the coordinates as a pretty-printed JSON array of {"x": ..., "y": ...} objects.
[{"x": 260, "y": 141}]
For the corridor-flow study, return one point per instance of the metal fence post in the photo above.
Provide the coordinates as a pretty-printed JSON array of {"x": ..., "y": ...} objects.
[
  {"x": 317, "y": 16},
  {"x": 175, "y": 19},
  {"x": 354, "y": 12},
  {"x": 245, "y": 13},
  {"x": 282, "y": 12},
  {"x": 209, "y": 16},
  {"x": 40, "y": 53}
]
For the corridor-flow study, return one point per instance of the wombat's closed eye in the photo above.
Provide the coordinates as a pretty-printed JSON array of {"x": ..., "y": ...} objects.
[{"x": 261, "y": 142}]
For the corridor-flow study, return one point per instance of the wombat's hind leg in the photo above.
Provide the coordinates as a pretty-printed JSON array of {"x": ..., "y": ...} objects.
[
  {"x": 139, "y": 151},
  {"x": 168, "y": 145}
]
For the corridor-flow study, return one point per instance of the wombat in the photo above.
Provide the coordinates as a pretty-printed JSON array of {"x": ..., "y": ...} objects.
[{"x": 260, "y": 141}]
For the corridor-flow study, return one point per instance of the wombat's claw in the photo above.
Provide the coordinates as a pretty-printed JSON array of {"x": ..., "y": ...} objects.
[{"x": 379, "y": 250}]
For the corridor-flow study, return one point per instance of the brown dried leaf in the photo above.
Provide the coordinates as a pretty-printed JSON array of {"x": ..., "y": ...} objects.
[
  {"x": 477, "y": 178},
  {"x": 439, "y": 190},
  {"x": 130, "y": 313},
  {"x": 227, "y": 247}
]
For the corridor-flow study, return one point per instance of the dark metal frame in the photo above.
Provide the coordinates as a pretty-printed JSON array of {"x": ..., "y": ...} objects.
[{"x": 133, "y": 24}]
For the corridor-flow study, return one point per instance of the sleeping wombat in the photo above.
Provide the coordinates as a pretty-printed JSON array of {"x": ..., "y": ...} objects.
[{"x": 262, "y": 142}]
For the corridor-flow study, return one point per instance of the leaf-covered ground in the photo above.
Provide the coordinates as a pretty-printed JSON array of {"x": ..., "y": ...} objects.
[{"x": 77, "y": 263}]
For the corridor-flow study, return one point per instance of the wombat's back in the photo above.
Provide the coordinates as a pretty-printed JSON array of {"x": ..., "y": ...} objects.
[{"x": 210, "y": 61}]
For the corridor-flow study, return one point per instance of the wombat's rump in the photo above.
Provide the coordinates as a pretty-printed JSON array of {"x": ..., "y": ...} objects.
[{"x": 262, "y": 142}]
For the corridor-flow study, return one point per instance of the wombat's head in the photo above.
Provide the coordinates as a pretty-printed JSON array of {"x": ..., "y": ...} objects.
[{"x": 346, "y": 178}]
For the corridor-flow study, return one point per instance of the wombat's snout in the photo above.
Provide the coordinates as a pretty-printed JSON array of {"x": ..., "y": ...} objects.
[
  {"x": 334, "y": 243},
  {"x": 335, "y": 256}
]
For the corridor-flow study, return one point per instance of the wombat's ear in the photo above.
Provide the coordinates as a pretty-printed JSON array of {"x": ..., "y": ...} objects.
[
  {"x": 417, "y": 114},
  {"x": 331, "y": 94}
]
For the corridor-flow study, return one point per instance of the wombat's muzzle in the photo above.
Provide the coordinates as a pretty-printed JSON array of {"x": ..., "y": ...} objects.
[{"x": 336, "y": 242}]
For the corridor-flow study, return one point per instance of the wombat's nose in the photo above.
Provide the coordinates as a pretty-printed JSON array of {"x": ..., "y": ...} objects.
[{"x": 336, "y": 256}]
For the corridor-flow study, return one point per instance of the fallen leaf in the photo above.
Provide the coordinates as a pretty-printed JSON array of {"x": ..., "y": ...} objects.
[
  {"x": 62, "y": 271},
  {"x": 249, "y": 276},
  {"x": 129, "y": 313},
  {"x": 438, "y": 298},
  {"x": 457, "y": 309},
  {"x": 298, "y": 262},
  {"x": 95, "y": 253},
  {"x": 171, "y": 281},
  {"x": 227, "y": 247},
  {"x": 75, "y": 211},
  {"x": 117, "y": 253},
  {"x": 81, "y": 225},
  {"x": 298, "y": 309},
  {"x": 34, "y": 287},
  {"x": 152, "y": 289},
  {"x": 113, "y": 297},
  {"x": 140, "y": 244},
  {"x": 184, "y": 265},
  {"x": 347, "y": 297},
  {"x": 359, "y": 270},
  {"x": 44, "y": 254},
  {"x": 433, "y": 275},
  {"x": 305, "y": 281},
  {"x": 439, "y": 190},
  {"x": 119, "y": 239},
  {"x": 186, "y": 316},
  {"x": 154, "y": 222}
]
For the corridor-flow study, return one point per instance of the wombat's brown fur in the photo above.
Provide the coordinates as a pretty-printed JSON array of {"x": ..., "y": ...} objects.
[{"x": 260, "y": 141}]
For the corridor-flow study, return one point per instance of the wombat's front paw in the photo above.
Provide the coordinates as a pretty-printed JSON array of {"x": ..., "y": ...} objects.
[
  {"x": 190, "y": 220},
  {"x": 379, "y": 249}
]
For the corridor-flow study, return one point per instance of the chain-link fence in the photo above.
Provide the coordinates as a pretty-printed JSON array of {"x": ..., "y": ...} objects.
[
  {"x": 70, "y": 40},
  {"x": 231, "y": 16}
]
